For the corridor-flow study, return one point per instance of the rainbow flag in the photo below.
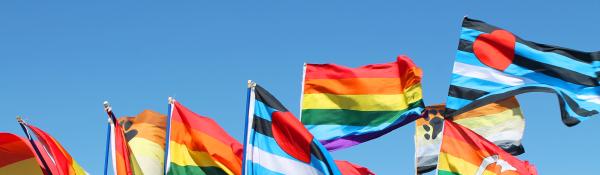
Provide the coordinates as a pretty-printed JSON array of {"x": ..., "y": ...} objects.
[
  {"x": 198, "y": 145},
  {"x": 18, "y": 156},
  {"x": 62, "y": 161},
  {"x": 464, "y": 152},
  {"x": 124, "y": 162},
  {"x": 345, "y": 106},
  {"x": 501, "y": 123},
  {"x": 145, "y": 134}
]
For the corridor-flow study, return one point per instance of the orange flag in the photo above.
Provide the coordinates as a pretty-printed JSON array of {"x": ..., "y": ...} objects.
[{"x": 465, "y": 152}]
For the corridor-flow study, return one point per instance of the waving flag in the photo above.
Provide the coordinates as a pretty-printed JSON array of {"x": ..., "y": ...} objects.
[
  {"x": 348, "y": 168},
  {"x": 145, "y": 134},
  {"x": 501, "y": 123},
  {"x": 18, "y": 157},
  {"x": 463, "y": 152},
  {"x": 124, "y": 162},
  {"x": 345, "y": 106},
  {"x": 277, "y": 143},
  {"x": 492, "y": 64},
  {"x": 61, "y": 159},
  {"x": 198, "y": 145}
]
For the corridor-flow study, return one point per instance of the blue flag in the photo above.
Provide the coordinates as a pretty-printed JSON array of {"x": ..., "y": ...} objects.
[
  {"x": 277, "y": 143},
  {"x": 493, "y": 64}
]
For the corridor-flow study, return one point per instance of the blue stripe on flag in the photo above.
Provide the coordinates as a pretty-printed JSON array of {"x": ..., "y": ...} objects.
[
  {"x": 263, "y": 111},
  {"x": 456, "y": 103},
  {"x": 469, "y": 34},
  {"x": 268, "y": 144},
  {"x": 555, "y": 59}
]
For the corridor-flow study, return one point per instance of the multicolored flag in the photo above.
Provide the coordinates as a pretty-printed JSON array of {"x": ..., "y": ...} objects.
[
  {"x": 345, "y": 106},
  {"x": 198, "y": 145},
  {"x": 348, "y": 168},
  {"x": 464, "y": 152},
  {"x": 493, "y": 64},
  {"x": 60, "y": 158},
  {"x": 145, "y": 134},
  {"x": 18, "y": 156},
  {"x": 123, "y": 161},
  {"x": 501, "y": 123},
  {"x": 277, "y": 143}
]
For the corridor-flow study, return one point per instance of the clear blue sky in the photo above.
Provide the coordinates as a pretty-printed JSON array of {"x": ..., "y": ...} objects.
[{"x": 61, "y": 60}]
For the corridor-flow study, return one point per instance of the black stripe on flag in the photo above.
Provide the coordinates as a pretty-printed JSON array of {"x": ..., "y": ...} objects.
[
  {"x": 315, "y": 151},
  {"x": 265, "y": 97},
  {"x": 566, "y": 118},
  {"x": 465, "y": 45},
  {"x": 555, "y": 71},
  {"x": 587, "y": 57},
  {"x": 465, "y": 93}
]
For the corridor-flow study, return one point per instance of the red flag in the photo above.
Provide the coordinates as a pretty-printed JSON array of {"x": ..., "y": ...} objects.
[{"x": 348, "y": 168}]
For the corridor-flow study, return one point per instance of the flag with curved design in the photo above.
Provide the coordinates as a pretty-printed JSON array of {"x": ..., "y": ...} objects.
[
  {"x": 464, "y": 152},
  {"x": 61, "y": 159},
  {"x": 18, "y": 156}
]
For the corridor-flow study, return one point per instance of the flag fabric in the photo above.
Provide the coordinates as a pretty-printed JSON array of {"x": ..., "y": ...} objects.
[
  {"x": 464, "y": 152},
  {"x": 18, "y": 156},
  {"x": 145, "y": 134},
  {"x": 345, "y": 106},
  {"x": 123, "y": 160},
  {"x": 348, "y": 168},
  {"x": 60, "y": 158},
  {"x": 198, "y": 145},
  {"x": 501, "y": 123},
  {"x": 278, "y": 143},
  {"x": 492, "y": 64}
]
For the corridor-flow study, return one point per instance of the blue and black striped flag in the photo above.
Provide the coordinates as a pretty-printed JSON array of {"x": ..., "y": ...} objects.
[
  {"x": 493, "y": 64},
  {"x": 277, "y": 143}
]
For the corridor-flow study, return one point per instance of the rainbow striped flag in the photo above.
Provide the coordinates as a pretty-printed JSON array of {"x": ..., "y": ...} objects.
[
  {"x": 18, "y": 156},
  {"x": 501, "y": 123},
  {"x": 464, "y": 152},
  {"x": 345, "y": 106},
  {"x": 198, "y": 145},
  {"x": 145, "y": 134},
  {"x": 61, "y": 161}
]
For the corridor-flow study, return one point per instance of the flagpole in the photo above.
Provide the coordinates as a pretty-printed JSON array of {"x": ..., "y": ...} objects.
[
  {"x": 107, "y": 108},
  {"x": 302, "y": 91},
  {"x": 35, "y": 148},
  {"x": 251, "y": 86},
  {"x": 167, "y": 155}
]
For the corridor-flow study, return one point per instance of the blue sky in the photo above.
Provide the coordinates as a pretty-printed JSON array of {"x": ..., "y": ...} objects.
[{"x": 61, "y": 60}]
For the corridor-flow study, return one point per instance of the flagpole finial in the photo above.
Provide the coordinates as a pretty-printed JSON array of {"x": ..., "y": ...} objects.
[
  {"x": 20, "y": 119},
  {"x": 107, "y": 106},
  {"x": 171, "y": 99},
  {"x": 251, "y": 84}
]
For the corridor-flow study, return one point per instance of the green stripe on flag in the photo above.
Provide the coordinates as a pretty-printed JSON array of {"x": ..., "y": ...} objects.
[
  {"x": 442, "y": 172},
  {"x": 189, "y": 169},
  {"x": 352, "y": 117}
]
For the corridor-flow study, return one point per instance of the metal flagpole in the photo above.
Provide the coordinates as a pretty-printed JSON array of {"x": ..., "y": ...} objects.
[
  {"x": 108, "y": 130},
  {"x": 167, "y": 155},
  {"x": 249, "y": 107},
  {"x": 302, "y": 92},
  {"x": 35, "y": 148}
]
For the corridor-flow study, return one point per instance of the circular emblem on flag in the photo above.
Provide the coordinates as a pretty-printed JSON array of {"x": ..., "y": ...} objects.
[
  {"x": 496, "y": 49},
  {"x": 291, "y": 135}
]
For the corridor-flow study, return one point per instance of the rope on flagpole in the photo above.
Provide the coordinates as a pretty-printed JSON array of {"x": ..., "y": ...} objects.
[{"x": 35, "y": 147}]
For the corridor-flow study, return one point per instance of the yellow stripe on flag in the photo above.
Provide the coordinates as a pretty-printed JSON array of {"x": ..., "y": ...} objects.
[
  {"x": 180, "y": 155},
  {"x": 458, "y": 164},
  {"x": 27, "y": 166},
  {"x": 394, "y": 102}
]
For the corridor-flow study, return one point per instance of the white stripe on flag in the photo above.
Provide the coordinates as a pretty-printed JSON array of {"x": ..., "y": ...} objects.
[
  {"x": 488, "y": 74},
  {"x": 280, "y": 164}
]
